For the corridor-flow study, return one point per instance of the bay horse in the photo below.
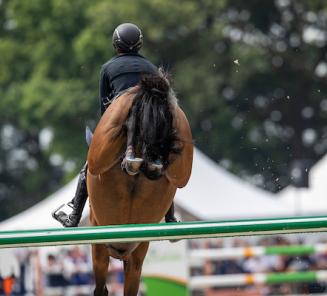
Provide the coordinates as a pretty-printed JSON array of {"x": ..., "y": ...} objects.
[{"x": 147, "y": 116}]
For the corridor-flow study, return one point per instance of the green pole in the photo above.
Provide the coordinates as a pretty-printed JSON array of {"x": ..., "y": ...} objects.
[
  {"x": 291, "y": 277},
  {"x": 152, "y": 232},
  {"x": 233, "y": 280},
  {"x": 290, "y": 250}
]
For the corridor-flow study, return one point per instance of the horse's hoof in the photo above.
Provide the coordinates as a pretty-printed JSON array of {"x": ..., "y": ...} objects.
[
  {"x": 154, "y": 170},
  {"x": 132, "y": 165},
  {"x": 103, "y": 292},
  {"x": 155, "y": 166}
]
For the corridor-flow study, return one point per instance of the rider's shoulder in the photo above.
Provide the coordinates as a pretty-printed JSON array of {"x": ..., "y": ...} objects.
[
  {"x": 121, "y": 59},
  {"x": 107, "y": 63},
  {"x": 116, "y": 59}
]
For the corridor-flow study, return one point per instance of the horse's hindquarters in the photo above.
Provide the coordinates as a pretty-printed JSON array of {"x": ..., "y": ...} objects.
[{"x": 116, "y": 198}]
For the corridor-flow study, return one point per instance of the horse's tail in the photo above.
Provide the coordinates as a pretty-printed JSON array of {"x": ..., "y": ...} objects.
[{"x": 152, "y": 116}]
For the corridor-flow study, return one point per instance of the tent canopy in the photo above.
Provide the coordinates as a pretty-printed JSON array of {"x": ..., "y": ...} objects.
[
  {"x": 211, "y": 194},
  {"x": 214, "y": 193},
  {"x": 312, "y": 200}
]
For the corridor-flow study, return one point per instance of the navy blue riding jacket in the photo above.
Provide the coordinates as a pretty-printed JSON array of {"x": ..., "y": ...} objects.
[{"x": 120, "y": 73}]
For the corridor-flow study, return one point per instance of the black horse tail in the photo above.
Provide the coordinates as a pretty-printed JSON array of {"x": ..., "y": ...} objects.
[{"x": 151, "y": 122}]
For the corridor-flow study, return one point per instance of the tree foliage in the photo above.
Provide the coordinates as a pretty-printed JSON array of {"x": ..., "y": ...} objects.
[{"x": 251, "y": 76}]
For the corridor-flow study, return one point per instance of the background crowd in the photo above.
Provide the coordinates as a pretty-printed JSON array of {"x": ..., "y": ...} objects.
[
  {"x": 260, "y": 264},
  {"x": 59, "y": 272},
  {"x": 68, "y": 270}
]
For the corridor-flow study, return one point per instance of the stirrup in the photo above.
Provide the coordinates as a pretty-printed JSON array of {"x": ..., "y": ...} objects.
[
  {"x": 60, "y": 215},
  {"x": 56, "y": 211},
  {"x": 132, "y": 165}
]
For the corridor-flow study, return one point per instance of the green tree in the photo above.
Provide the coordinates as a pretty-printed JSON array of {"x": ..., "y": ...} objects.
[
  {"x": 251, "y": 76},
  {"x": 275, "y": 90},
  {"x": 42, "y": 93}
]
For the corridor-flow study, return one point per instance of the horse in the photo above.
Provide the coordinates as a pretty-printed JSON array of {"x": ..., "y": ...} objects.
[{"x": 148, "y": 117}]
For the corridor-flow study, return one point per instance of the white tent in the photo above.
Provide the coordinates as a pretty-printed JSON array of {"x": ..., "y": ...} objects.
[
  {"x": 39, "y": 216},
  {"x": 312, "y": 200},
  {"x": 212, "y": 193}
]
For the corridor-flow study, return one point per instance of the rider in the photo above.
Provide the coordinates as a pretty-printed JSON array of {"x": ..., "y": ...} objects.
[{"x": 121, "y": 72}]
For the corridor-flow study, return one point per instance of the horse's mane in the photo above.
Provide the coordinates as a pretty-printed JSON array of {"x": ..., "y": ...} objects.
[{"x": 151, "y": 119}]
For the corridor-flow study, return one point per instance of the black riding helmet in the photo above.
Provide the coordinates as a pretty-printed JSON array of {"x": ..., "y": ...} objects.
[{"x": 127, "y": 37}]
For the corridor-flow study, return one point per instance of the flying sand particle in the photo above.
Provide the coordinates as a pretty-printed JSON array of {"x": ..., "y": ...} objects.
[{"x": 236, "y": 62}]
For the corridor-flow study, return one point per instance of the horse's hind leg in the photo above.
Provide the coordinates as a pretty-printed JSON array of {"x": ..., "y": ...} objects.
[
  {"x": 100, "y": 260},
  {"x": 133, "y": 269}
]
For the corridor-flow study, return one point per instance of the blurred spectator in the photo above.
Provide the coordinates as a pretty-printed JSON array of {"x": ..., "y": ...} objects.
[
  {"x": 116, "y": 277},
  {"x": 261, "y": 264},
  {"x": 54, "y": 273},
  {"x": 9, "y": 271},
  {"x": 77, "y": 267}
]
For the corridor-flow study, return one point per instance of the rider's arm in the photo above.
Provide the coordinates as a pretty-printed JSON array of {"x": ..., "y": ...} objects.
[{"x": 104, "y": 89}]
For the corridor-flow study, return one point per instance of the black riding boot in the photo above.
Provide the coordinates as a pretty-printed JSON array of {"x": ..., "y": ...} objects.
[
  {"x": 77, "y": 203},
  {"x": 170, "y": 215}
]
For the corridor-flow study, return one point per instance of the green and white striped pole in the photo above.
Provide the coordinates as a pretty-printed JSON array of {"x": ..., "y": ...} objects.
[
  {"x": 240, "y": 253},
  {"x": 152, "y": 232},
  {"x": 200, "y": 282}
]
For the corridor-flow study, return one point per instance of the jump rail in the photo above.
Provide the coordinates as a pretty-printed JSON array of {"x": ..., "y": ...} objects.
[
  {"x": 153, "y": 232},
  {"x": 200, "y": 282},
  {"x": 246, "y": 252}
]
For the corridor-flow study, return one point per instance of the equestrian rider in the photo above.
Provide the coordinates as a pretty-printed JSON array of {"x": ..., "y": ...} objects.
[{"x": 121, "y": 72}]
